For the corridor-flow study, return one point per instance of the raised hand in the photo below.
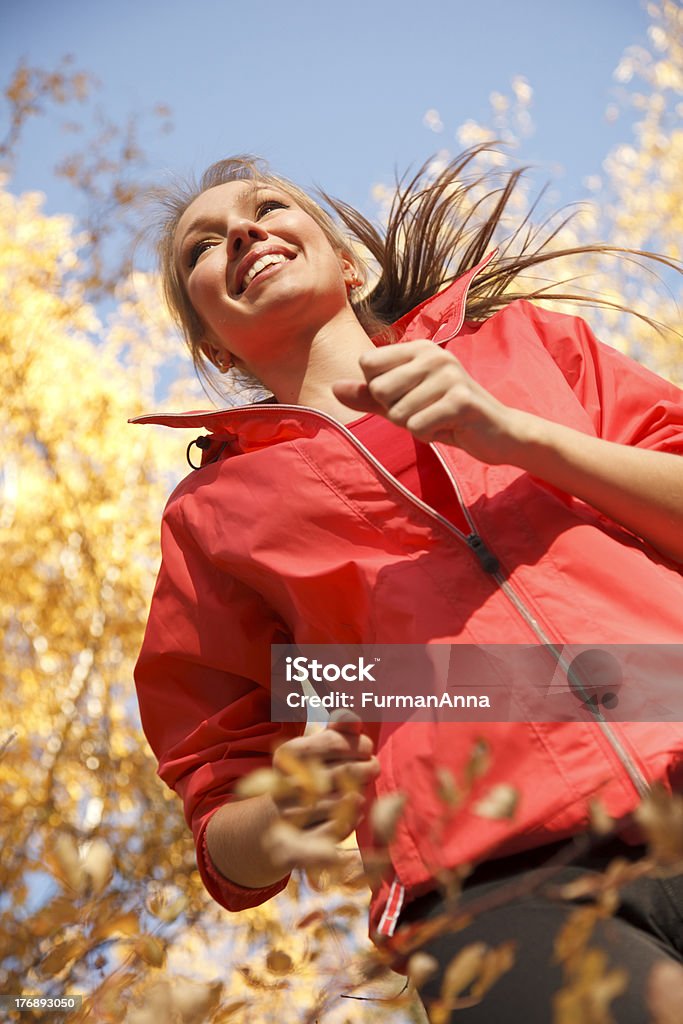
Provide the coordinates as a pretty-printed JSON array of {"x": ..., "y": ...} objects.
[{"x": 425, "y": 389}]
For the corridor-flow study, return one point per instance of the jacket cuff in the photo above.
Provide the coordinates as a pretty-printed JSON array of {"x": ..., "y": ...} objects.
[{"x": 229, "y": 894}]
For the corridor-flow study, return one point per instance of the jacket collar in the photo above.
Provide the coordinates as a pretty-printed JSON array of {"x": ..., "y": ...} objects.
[{"x": 439, "y": 317}]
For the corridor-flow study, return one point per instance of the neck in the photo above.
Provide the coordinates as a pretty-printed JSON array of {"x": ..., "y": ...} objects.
[{"x": 307, "y": 368}]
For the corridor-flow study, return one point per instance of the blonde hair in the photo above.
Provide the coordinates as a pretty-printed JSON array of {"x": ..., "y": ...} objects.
[
  {"x": 175, "y": 201},
  {"x": 438, "y": 227}
]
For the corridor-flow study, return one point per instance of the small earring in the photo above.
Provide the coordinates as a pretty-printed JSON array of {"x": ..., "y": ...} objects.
[
  {"x": 355, "y": 282},
  {"x": 223, "y": 364}
]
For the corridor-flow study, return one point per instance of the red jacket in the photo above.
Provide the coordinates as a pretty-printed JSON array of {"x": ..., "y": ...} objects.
[{"x": 297, "y": 533}]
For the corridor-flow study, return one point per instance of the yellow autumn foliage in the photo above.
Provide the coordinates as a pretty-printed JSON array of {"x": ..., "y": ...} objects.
[
  {"x": 635, "y": 202},
  {"x": 100, "y": 892}
]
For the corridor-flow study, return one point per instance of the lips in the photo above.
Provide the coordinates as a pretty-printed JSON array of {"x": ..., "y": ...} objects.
[{"x": 256, "y": 261}]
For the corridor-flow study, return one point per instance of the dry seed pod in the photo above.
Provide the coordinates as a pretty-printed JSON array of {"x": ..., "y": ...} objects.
[
  {"x": 279, "y": 962},
  {"x": 496, "y": 962},
  {"x": 290, "y": 847},
  {"x": 446, "y": 788},
  {"x": 345, "y": 815},
  {"x": 98, "y": 864},
  {"x": 69, "y": 862},
  {"x": 500, "y": 802},
  {"x": 600, "y": 821},
  {"x": 385, "y": 815},
  {"x": 479, "y": 761},
  {"x": 150, "y": 949},
  {"x": 422, "y": 967},
  {"x": 194, "y": 1000},
  {"x": 260, "y": 782},
  {"x": 660, "y": 815},
  {"x": 308, "y": 775},
  {"x": 462, "y": 971}
]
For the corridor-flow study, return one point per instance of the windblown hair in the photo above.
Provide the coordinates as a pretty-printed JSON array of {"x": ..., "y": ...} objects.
[{"x": 438, "y": 227}]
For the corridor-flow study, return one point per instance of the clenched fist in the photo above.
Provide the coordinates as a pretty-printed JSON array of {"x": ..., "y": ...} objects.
[{"x": 425, "y": 389}]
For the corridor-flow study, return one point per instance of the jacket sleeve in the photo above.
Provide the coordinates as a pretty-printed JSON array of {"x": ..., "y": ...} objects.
[
  {"x": 626, "y": 402},
  {"x": 202, "y": 679}
]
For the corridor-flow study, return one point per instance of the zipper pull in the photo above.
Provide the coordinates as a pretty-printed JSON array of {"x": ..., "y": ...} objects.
[{"x": 488, "y": 560}]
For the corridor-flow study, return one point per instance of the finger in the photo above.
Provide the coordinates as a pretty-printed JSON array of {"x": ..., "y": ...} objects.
[
  {"x": 345, "y": 721},
  {"x": 334, "y": 777},
  {"x": 329, "y": 745},
  {"x": 378, "y": 360},
  {"x": 356, "y": 396},
  {"x": 419, "y": 399},
  {"x": 378, "y": 395},
  {"x": 435, "y": 419},
  {"x": 344, "y": 810},
  {"x": 390, "y": 387},
  {"x": 353, "y": 775},
  {"x": 302, "y": 816},
  {"x": 330, "y": 830},
  {"x": 358, "y": 746},
  {"x": 351, "y": 726},
  {"x": 290, "y": 848},
  {"x": 347, "y": 783}
]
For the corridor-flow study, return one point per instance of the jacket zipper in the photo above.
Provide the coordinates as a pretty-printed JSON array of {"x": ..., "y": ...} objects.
[
  {"x": 489, "y": 563},
  {"x": 491, "y": 566}
]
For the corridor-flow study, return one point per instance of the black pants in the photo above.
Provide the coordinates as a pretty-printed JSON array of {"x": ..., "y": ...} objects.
[{"x": 645, "y": 930}]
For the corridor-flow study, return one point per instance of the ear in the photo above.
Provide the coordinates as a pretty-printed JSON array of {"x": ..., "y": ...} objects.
[
  {"x": 210, "y": 350},
  {"x": 351, "y": 275},
  {"x": 216, "y": 355}
]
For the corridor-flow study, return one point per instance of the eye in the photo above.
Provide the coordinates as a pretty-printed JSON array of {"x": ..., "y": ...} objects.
[
  {"x": 271, "y": 204},
  {"x": 198, "y": 248}
]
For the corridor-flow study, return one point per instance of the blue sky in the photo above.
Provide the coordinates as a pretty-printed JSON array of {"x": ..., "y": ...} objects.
[{"x": 332, "y": 94}]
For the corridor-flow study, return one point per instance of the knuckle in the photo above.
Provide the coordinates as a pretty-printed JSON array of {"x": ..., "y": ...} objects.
[
  {"x": 282, "y": 751},
  {"x": 329, "y": 741},
  {"x": 378, "y": 389},
  {"x": 397, "y": 414},
  {"x": 368, "y": 360},
  {"x": 365, "y": 745},
  {"x": 459, "y": 394},
  {"x": 419, "y": 430},
  {"x": 366, "y": 356}
]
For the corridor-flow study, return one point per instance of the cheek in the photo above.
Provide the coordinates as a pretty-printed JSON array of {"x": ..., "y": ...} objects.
[
  {"x": 312, "y": 237},
  {"x": 205, "y": 286},
  {"x": 326, "y": 261}
]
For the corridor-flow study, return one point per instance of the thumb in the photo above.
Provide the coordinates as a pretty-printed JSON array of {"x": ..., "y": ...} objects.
[
  {"x": 346, "y": 722},
  {"x": 357, "y": 396}
]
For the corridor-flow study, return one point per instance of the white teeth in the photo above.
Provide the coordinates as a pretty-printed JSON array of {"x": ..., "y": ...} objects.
[{"x": 261, "y": 264}]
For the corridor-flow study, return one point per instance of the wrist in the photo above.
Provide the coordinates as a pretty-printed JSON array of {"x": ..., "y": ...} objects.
[
  {"x": 527, "y": 441},
  {"x": 551, "y": 451}
]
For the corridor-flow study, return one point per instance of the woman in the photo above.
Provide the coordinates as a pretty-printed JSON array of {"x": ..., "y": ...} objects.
[{"x": 483, "y": 471}]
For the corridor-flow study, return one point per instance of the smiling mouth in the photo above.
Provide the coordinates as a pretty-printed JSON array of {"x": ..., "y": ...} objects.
[{"x": 273, "y": 259}]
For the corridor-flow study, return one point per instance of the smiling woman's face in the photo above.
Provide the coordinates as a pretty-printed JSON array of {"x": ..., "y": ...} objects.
[{"x": 254, "y": 263}]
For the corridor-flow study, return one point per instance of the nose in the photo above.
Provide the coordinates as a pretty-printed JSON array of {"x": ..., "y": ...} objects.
[{"x": 242, "y": 233}]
